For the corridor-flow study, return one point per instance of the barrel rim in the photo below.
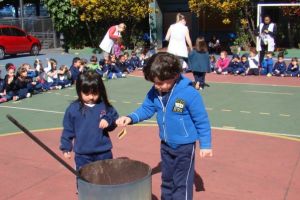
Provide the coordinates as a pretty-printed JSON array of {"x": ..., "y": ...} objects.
[{"x": 149, "y": 174}]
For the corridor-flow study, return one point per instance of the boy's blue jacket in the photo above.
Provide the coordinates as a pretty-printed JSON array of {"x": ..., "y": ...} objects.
[
  {"x": 81, "y": 124},
  {"x": 184, "y": 120}
]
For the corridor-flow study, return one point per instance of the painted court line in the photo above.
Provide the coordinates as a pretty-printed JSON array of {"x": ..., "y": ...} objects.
[
  {"x": 263, "y": 113},
  {"x": 246, "y": 112},
  {"x": 32, "y": 109},
  {"x": 226, "y": 110},
  {"x": 265, "y": 92},
  {"x": 207, "y": 108},
  {"x": 284, "y": 115}
]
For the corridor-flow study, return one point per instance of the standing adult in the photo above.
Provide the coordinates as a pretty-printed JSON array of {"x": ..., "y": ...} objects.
[
  {"x": 178, "y": 35},
  {"x": 266, "y": 33},
  {"x": 111, "y": 37}
]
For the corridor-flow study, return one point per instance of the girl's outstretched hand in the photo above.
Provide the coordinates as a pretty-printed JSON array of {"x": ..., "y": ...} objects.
[
  {"x": 206, "y": 153},
  {"x": 123, "y": 121},
  {"x": 67, "y": 155},
  {"x": 103, "y": 124}
]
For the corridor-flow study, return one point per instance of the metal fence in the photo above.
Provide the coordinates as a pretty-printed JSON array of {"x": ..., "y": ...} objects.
[{"x": 40, "y": 27}]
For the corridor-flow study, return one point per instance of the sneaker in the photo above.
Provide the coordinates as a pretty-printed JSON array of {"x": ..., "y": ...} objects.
[
  {"x": 114, "y": 76},
  {"x": 28, "y": 95},
  {"x": 269, "y": 75},
  {"x": 124, "y": 75},
  {"x": 58, "y": 87}
]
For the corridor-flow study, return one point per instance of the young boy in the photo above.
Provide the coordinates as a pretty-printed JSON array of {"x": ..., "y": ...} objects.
[
  {"x": 267, "y": 65},
  {"x": 253, "y": 63},
  {"x": 234, "y": 65},
  {"x": 279, "y": 67},
  {"x": 182, "y": 120},
  {"x": 244, "y": 65}
]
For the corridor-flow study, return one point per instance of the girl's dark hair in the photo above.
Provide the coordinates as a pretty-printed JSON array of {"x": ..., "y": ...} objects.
[
  {"x": 201, "y": 45},
  {"x": 163, "y": 66},
  {"x": 90, "y": 82},
  {"x": 294, "y": 59},
  {"x": 9, "y": 66},
  {"x": 213, "y": 58}
]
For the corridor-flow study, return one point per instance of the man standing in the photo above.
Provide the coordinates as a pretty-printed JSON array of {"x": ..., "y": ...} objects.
[
  {"x": 113, "y": 34},
  {"x": 266, "y": 33}
]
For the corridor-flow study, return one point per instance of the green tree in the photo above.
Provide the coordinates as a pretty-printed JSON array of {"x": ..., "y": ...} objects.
[
  {"x": 240, "y": 12},
  {"x": 104, "y": 13},
  {"x": 66, "y": 21}
]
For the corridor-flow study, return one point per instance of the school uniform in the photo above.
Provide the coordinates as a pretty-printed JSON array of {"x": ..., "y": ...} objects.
[
  {"x": 200, "y": 65},
  {"x": 279, "y": 69},
  {"x": 74, "y": 74},
  {"x": 267, "y": 66},
  {"x": 114, "y": 71},
  {"x": 81, "y": 124},
  {"x": 24, "y": 87},
  {"x": 182, "y": 120},
  {"x": 64, "y": 80},
  {"x": 10, "y": 88},
  {"x": 135, "y": 62},
  {"x": 292, "y": 71},
  {"x": 253, "y": 66},
  {"x": 233, "y": 67},
  {"x": 242, "y": 68}
]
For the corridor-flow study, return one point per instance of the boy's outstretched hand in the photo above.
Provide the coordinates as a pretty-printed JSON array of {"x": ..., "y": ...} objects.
[
  {"x": 123, "y": 121},
  {"x": 206, "y": 153}
]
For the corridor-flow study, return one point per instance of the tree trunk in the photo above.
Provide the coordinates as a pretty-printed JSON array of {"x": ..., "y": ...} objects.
[{"x": 90, "y": 34}]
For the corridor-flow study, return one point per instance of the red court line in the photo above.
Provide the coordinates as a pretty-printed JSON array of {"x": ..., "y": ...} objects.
[
  {"x": 255, "y": 80},
  {"x": 244, "y": 166}
]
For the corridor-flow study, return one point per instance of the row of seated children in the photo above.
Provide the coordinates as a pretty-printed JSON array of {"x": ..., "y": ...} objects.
[
  {"x": 249, "y": 65},
  {"x": 112, "y": 68},
  {"x": 25, "y": 81}
]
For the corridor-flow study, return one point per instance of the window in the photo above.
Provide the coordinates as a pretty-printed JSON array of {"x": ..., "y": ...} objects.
[
  {"x": 6, "y": 32},
  {"x": 17, "y": 32}
]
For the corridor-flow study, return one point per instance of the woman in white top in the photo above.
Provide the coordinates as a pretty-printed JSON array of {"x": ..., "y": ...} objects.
[{"x": 178, "y": 35}]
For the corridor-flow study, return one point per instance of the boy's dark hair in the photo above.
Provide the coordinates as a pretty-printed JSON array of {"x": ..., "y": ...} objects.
[
  {"x": 294, "y": 59},
  {"x": 75, "y": 60},
  {"x": 163, "y": 66},
  {"x": 93, "y": 58},
  {"x": 244, "y": 56},
  {"x": 280, "y": 55},
  {"x": 90, "y": 82}
]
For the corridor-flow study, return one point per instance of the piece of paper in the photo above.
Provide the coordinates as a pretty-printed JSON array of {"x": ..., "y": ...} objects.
[{"x": 122, "y": 133}]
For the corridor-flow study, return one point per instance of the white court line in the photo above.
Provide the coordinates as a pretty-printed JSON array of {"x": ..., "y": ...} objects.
[
  {"x": 246, "y": 112},
  {"x": 284, "y": 115},
  {"x": 263, "y": 113},
  {"x": 226, "y": 110},
  {"x": 207, "y": 108},
  {"x": 32, "y": 109},
  {"x": 265, "y": 92}
]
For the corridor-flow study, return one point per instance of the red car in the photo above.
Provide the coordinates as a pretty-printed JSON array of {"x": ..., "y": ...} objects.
[{"x": 14, "y": 40}]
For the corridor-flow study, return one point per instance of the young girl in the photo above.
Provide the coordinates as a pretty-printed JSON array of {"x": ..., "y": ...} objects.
[
  {"x": 253, "y": 63},
  {"x": 64, "y": 77},
  {"x": 222, "y": 63},
  {"x": 9, "y": 91},
  {"x": 52, "y": 75},
  {"x": 199, "y": 63},
  {"x": 293, "y": 68},
  {"x": 24, "y": 84},
  {"x": 114, "y": 71},
  {"x": 87, "y": 121},
  {"x": 41, "y": 78},
  {"x": 212, "y": 60}
]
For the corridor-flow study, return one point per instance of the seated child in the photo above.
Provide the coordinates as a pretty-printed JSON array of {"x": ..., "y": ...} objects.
[
  {"x": 244, "y": 65},
  {"x": 114, "y": 71},
  {"x": 75, "y": 69},
  {"x": 1, "y": 85},
  {"x": 135, "y": 61},
  {"x": 24, "y": 84},
  {"x": 293, "y": 68},
  {"x": 235, "y": 63},
  {"x": 9, "y": 91},
  {"x": 64, "y": 76},
  {"x": 222, "y": 63},
  {"x": 212, "y": 60},
  {"x": 52, "y": 75},
  {"x": 41, "y": 78},
  {"x": 94, "y": 65},
  {"x": 267, "y": 65},
  {"x": 253, "y": 63},
  {"x": 122, "y": 65},
  {"x": 279, "y": 67},
  {"x": 128, "y": 64}
]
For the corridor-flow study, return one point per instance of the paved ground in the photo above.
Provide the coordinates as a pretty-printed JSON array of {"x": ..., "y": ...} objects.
[{"x": 244, "y": 166}]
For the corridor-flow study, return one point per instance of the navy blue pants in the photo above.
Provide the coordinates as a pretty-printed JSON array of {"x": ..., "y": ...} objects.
[
  {"x": 81, "y": 160},
  {"x": 178, "y": 168},
  {"x": 200, "y": 77}
]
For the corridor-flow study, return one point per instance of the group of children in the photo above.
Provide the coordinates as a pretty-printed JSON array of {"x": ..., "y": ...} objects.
[
  {"x": 23, "y": 82},
  {"x": 249, "y": 65}
]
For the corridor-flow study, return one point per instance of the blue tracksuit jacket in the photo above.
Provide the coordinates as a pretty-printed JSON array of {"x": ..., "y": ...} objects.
[{"x": 183, "y": 120}]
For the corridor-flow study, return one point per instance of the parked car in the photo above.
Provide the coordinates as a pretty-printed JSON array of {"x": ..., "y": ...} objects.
[{"x": 14, "y": 40}]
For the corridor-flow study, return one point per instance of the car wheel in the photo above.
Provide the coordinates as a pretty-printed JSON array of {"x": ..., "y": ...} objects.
[
  {"x": 34, "y": 50},
  {"x": 2, "y": 53}
]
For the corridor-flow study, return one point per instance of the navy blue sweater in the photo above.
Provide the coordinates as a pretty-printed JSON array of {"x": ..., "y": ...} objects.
[{"x": 81, "y": 124}]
